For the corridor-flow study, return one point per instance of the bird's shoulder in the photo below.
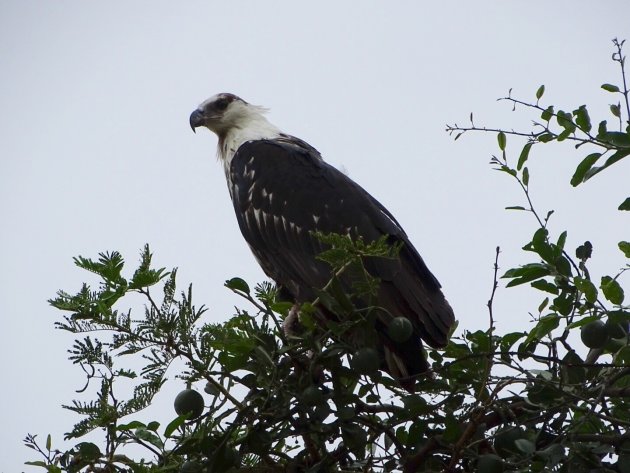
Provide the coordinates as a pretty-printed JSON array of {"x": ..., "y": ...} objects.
[
  {"x": 287, "y": 166},
  {"x": 272, "y": 158}
]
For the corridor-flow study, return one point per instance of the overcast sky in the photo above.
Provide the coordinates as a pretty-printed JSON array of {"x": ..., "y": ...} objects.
[{"x": 97, "y": 153}]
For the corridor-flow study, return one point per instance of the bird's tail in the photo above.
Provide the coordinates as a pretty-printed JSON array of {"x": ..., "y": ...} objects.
[{"x": 406, "y": 362}]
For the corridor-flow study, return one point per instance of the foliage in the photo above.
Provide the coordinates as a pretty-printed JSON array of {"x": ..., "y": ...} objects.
[{"x": 307, "y": 400}]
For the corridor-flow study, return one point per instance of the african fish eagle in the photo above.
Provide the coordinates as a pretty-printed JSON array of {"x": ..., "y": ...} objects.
[{"x": 283, "y": 191}]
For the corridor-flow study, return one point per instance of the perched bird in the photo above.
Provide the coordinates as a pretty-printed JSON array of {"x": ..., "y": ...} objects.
[{"x": 283, "y": 191}]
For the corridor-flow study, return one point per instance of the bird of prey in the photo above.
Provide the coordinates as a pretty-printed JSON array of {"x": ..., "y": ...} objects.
[{"x": 283, "y": 192}]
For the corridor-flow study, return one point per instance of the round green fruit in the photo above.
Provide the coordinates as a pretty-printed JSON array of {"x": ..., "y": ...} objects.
[
  {"x": 312, "y": 396},
  {"x": 189, "y": 402},
  {"x": 400, "y": 329},
  {"x": 365, "y": 361},
  {"x": 594, "y": 334},
  {"x": 489, "y": 464}
]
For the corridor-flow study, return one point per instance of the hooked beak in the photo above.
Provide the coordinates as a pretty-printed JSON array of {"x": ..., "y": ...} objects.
[{"x": 197, "y": 119}]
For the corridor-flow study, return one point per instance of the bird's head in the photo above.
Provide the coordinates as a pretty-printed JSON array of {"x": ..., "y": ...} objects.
[
  {"x": 234, "y": 121},
  {"x": 224, "y": 112}
]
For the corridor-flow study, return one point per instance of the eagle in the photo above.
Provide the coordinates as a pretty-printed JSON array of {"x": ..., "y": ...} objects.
[{"x": 284, "y": 193}]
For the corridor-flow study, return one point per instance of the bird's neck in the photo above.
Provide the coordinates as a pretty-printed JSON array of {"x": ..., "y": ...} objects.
[{"x": 255, "y": 127}]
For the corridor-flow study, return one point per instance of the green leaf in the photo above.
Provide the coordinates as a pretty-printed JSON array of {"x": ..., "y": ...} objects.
[
  {"x": 88, "y": 451},
  {"x": 502, "y": 141},
  {"x": 508, "y": 170},
  {"x": 144, "y": 276},
  {"x": 616, "y": 157},
  {"x": 237, "y": 285},
  {"x": 37, "y": 463},
  {"x": 582, "y": 168},
  {"x": 531, "y": 269},
  {"x": 541, "y": 246},
  {"x": 526, "y": 176},
  {"x": 153, "y": 425},
  {"x": 582, "y": 118},
  {"x": 618, "y": 139},
  {"x": 565, "y": 120},
  {"x": 625, "y": 205},
  {"x": 281, "y": 307},
  {"x": 515, "y": 207},
  {"x": 147, "y": 278},
  {"x": 546, "y": 286},
  {"x": 583, "y": 321},
  {"x": 610, "y": 88},
  {"x": 563, "y": 266},
  {"x": 109, "y": 266},
  {"x": 509, "y": 339},
  {"x": 544, "y": 327},
  {"x": 545, "y": 137},
  {"x": 587, "y": 288},
  {"x": 174, "y": 425},
  {"x": 561, "y": 242},
  {"x": 540, "y": 92},
  {"x": 543, "y": 305},
  {"x": 547, "y": 113},
  {"x": 563, "y": 303},
  {"x": 624, "y": 246},
  {"x": 48, "y": 442},
  {"x": 526, "y": 273},
  {"x": 135, "y": 424},
  {"x": 614, "y": 109},
  {"x": 564, "y": 134},
  {"x": 613, "y": 292},
  {"x": 150, "y": 437},
  {"x": 524, "y": 155}
]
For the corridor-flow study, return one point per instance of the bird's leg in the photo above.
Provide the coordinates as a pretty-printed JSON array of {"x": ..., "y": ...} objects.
[
  {"x": 291, "y": 325},
  {"x": 293, "y": 328}
]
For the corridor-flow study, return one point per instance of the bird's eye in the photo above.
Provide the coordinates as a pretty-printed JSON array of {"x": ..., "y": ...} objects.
[{"x": 221, "y": 104}]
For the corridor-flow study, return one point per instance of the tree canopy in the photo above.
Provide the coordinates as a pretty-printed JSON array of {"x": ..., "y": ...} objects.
[{"x": 552, "y": 396}]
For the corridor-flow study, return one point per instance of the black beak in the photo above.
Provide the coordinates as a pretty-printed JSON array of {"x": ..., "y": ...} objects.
[{"x": 197, "y": 119}]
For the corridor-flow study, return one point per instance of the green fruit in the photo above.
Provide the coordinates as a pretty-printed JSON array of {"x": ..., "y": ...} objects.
[
  {"x": 505, "y": 440},
  {"x": 365, "y": 361},
  {"x": 189, "y": 402},
  {"x": 594, "y": 334},
  {"x": 400, "y": 329},
  {"x": 489, "y": 464},
  {"x": 312, "y": 396}
]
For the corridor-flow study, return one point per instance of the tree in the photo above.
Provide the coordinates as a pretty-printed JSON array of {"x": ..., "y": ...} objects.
[{"x": 314, "y": 400}]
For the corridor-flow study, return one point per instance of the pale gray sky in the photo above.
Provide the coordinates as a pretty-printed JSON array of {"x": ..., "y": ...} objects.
[{"x": 97, "y": 154}]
